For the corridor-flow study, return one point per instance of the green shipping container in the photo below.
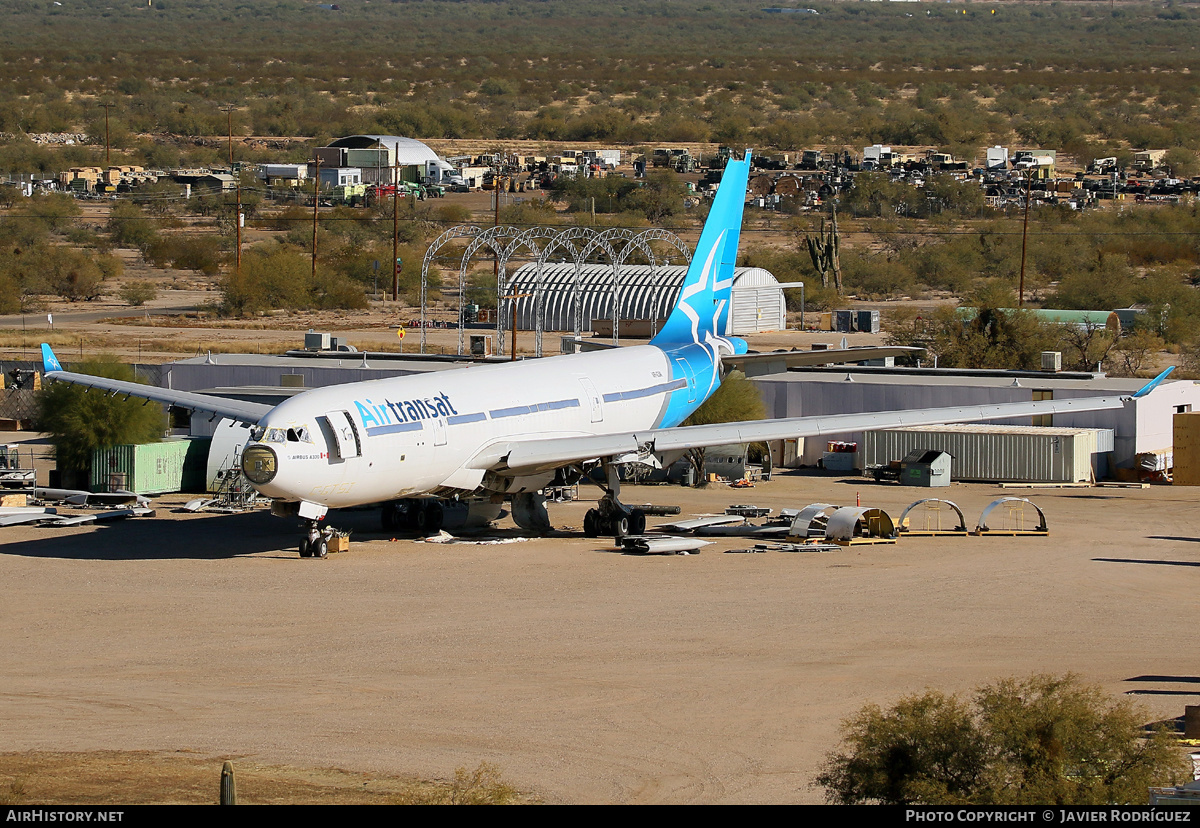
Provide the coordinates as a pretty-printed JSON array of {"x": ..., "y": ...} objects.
[{"x": 152, "y": 468}]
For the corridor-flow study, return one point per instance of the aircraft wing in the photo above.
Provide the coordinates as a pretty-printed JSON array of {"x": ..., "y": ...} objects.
[
  {"x": 244, "y": 412},
  {"x": 755, "y": 362},
  {"x": 530, "y": 456}
]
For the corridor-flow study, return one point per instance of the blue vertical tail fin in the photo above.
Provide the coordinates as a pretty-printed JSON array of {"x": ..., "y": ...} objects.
[{"x": 702, "y": 310}]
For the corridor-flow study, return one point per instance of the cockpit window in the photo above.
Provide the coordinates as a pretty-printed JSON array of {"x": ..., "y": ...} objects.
[{"x": 296, "y": 434}]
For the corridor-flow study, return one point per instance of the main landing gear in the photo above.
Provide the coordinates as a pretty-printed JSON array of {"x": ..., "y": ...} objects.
[
  {"x": 422, "y": 515},
  {"x": 611, "y": 516}
]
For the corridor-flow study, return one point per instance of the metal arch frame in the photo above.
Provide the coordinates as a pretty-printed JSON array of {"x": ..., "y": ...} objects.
[
  {"x": 488, "y": 238},
  {"x": 494, "y": 237},
  {"x": 657, "y": 234},
  {"x": 527, "y": 239},
  {"x": 566, "y": 238},
  {"x": 641, "y": 241},
  {"x": 456, "y": 232},
  {"x": 506, "y": 240},
  {"x": 608, "y": 236}
]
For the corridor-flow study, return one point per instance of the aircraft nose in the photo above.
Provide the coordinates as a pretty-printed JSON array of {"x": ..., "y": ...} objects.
[{"x": 260, "y": 464}]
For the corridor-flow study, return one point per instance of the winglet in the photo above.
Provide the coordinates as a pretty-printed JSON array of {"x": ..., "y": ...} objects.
[
  {"x": 49, "y": 360},
  {"x": 1152, "y": 384}
]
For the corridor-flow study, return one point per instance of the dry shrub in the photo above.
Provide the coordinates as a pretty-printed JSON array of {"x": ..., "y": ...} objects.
[{"x": 482, "y": 786}]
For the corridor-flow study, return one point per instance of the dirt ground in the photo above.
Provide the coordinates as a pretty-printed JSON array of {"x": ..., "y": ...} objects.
[{"x": 583, "y": 674}]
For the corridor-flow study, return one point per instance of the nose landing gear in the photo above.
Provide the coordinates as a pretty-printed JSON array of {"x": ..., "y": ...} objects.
[{"x": 315, "y": 544}]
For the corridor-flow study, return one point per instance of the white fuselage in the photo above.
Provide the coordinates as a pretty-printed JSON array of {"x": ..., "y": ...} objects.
[{"x": 368, "y": 442}]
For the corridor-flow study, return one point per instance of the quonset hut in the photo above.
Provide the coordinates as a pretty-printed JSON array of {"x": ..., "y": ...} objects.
[{"x": 646, "y": 293}]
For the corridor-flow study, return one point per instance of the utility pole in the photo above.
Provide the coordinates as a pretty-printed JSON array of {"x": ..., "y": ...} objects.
[
  {"x": 396, "y": 228},
  {"x": 107, "y": 143},
  {"x": 512, "y": 298},
  {"x": 316, "y": 208},
  {"x": 228, "y": 110},
  {"x": 1024, "y": 237},
  {"x": 238, "y": 220}
]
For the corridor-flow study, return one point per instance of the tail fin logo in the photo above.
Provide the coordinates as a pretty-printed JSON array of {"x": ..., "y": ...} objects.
[
  {"x": 49, "y": 360},
  {"x": 699, "y": 313},
  {"x": 700, "y": 286}
]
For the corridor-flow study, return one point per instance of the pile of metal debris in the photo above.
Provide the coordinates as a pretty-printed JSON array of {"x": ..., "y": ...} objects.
[
  {"x": 825, "y": 527},
  {"x": 35, "y": 511}
]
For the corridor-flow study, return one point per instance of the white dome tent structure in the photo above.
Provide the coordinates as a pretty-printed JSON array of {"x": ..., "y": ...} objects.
[{"x": 386, "y": 158}]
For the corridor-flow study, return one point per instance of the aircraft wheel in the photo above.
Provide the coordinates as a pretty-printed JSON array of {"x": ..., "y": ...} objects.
[
  {"x": 435, "y": 517},
  {"x": 637, "y": 522},
  {"x": 420, "y": 518},
  {"x": 590, "y": 527},
  {"x": 408, "y": 515},
  {"x": 304, "y": 550},
  {"x": 319, "y": 549},
  {"x": 620, "y": 526}
]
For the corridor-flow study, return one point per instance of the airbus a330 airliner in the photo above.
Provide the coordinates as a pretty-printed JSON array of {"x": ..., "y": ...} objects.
[{"x": 413, "y": 443}]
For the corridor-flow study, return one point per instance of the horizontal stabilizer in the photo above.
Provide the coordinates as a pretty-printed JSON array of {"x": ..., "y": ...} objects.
[{"x": 755, "y": 363}]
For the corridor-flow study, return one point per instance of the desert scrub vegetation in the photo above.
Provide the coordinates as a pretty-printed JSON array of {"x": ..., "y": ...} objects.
[
  {"x": 482, "y": 786},
  {"x": 1084, "y": 78},
  {"x": 1041, "y": 740}
]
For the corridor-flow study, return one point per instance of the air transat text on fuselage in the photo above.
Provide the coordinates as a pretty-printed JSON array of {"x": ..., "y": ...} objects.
[{"x": 405, "y": 411}]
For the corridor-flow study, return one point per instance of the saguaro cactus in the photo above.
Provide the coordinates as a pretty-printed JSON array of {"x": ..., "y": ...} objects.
[
  {"x": 823, "y": 249},
  {"x": 228, "y": 785}
]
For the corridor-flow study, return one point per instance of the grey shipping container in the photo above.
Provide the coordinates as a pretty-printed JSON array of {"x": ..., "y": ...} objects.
[
  {"x": 1025, "y": 454},
  {"x": 151, "y": 468},
  {"x": 868, "y": 321}
]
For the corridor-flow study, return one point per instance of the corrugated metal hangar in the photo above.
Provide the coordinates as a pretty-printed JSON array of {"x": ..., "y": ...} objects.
[
  {"x": 646, "y": 293},
  {"x": 1142, "y": 425}
]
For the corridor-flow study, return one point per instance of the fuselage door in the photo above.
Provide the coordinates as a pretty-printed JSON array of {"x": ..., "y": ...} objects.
[
  {"x": 594, "y": 399},
  {"x": 439, "y": 431},
  {"x": 345, "y": 435}
]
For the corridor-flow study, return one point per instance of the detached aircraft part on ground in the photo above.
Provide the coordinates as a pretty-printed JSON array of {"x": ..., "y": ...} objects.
[
  {"x": 860, "y": 524},
  {"x": 811, "y": 521},
  {"x": 1016, "y": 522},
  {"x": 933, "y": 510}
]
